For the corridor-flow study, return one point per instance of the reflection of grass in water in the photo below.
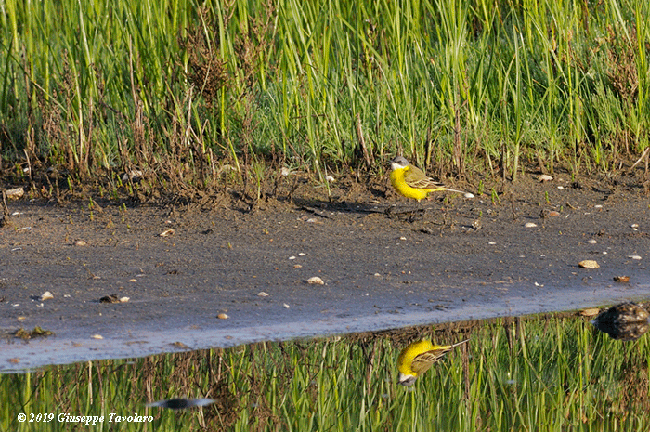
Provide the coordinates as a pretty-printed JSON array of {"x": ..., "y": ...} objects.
[{"x": 531, "y": 374}]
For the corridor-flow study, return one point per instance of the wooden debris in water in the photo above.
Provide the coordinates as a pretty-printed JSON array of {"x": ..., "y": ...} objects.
[
  {"x": 36, "y": 332},
  {"x": 626, "y": 321}
]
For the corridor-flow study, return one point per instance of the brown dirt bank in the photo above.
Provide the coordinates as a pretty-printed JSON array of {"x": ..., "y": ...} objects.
[{"x": 464, "y": 259}]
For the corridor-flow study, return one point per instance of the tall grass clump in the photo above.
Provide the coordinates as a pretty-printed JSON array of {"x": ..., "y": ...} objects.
[
  {"x": 183, "y": 91},
  {"x": 546, "y": 374}
]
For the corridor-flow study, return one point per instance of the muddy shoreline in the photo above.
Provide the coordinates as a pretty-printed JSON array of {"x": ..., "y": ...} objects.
[{"x": 462, "y": 259}]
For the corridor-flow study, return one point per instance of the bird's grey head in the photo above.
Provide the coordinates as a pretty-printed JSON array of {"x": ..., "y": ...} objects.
[
  {"x": 406, "y": 380},
  {"x": 399, "y": 162}
]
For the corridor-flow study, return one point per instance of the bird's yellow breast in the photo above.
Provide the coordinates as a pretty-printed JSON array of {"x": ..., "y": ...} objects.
[
  {"x": 409, "y": 353},
  {"x": 399, "y": 183}
]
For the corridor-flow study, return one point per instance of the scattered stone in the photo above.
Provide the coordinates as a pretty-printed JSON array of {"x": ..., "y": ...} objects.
[
  {"x": 468, "y": 195},
  {"x": 634, "y": 226},
  {"x": 222, "y": 316},
  {"x": 286, "y": 305},
  {"x": 97, "y": 336},
  {"x": 46, "y": 296},
  {"x": 16, "y": 193},
  {"x": 548, "y": 213},
  {"x": 297, "y": 266},
  {"x": 179, "y": 345},
  {"x": 590, "y": 264},
  {"x": 315, "y": 281},
  {"x": 622, "y": 278},
  {"x": 635, "y": 257},
  {"x": 589, "y": 312},
  {"x": 113, "y": 298},
  {"x": 544, "y": 178},
  {"x": 262, "y": 294},
  {"x": 168, "y": 232},
  {"x": 80, "y": 243},
  {"x": 133, "y": 175},
  {"x": 530, "y": 225}
]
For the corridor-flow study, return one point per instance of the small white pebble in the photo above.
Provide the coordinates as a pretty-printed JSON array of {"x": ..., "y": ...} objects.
[
  {"x": 492, "y": 242},
  {"x": 635, "y": 257},
  {"x": 262, "y": 294},
  {"x": 468, "y": 195},
  {"x": 592, "y": 241},
  {"x": 634, "y": 226},
  {"x": 315, "y": 280},
  {"x": 97, "y": 336},
  {"x": 402, "y": 238},
  {"x": 292, "y": 257},
  {"x": 286, "y": 305},
  {"x": 598, "y": 206},
  {"x": 530, "y": 225},
  {"x": 560, "y": 187},
  {"x": 377, "y": 275}
]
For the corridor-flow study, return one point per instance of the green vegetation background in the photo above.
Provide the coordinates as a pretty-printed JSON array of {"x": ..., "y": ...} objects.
[{"x": 186, "y": 92}]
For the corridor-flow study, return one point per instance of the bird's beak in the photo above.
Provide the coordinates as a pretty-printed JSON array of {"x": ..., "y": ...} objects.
[{"x": 406, "y": 380}]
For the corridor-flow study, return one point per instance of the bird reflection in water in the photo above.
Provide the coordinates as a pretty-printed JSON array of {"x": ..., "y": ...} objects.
[{"x": 178, "y": 404}]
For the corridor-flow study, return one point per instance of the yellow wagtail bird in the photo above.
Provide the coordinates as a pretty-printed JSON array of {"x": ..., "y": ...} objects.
[
  {"x": 411, "y": 182},
  {"x": 417, "y": 358}
]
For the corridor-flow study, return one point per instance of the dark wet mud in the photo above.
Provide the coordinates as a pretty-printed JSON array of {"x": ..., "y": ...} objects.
[{"x": 461, "y": 259}]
